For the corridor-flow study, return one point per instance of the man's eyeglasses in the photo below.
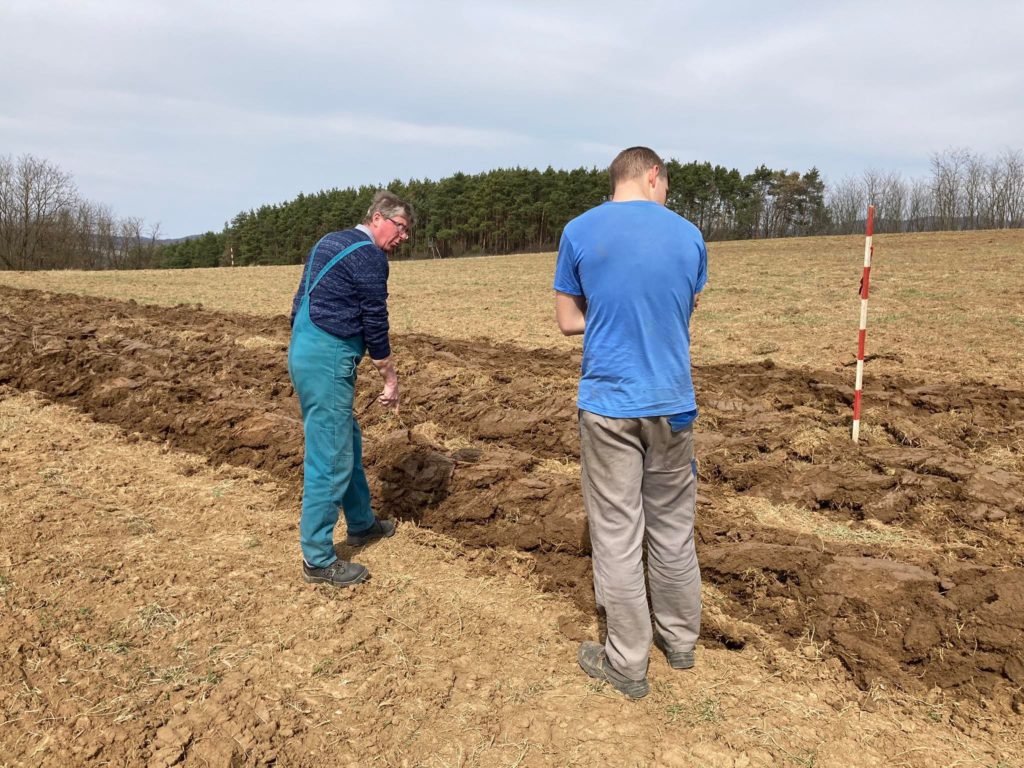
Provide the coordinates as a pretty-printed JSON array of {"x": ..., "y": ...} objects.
[{"x": 403, "y": 229}]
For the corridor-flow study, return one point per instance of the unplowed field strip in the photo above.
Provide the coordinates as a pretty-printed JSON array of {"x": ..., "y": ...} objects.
[{"x": 901, "y": 557}]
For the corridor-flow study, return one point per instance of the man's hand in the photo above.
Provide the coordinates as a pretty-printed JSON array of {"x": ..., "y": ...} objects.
[{"x": 389, "y": 396}]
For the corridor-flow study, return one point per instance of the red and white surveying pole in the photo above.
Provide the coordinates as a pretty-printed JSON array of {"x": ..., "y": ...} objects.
[{"x": 869, "y": 249}]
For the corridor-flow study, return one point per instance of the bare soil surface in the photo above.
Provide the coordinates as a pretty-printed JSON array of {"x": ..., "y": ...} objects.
[{"x": 895, "y": 568}]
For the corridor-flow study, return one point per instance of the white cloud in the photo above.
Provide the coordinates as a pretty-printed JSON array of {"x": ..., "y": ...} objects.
[{"x": 186, "y": 111}]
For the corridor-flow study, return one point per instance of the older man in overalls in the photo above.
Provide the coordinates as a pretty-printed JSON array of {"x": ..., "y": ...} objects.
[{"x": 339, "y": 312}]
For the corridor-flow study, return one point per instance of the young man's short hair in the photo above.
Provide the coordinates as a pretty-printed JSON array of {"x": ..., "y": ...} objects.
[{"x": 633, "y": 163}]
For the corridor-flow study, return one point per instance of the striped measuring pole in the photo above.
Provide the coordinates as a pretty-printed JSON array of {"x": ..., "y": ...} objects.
[{"x": 869, "y": 249}]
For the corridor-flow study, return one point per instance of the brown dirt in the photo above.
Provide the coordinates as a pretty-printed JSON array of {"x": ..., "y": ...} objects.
[
  {"x": 940, "y": 301},
  {"x": 906, "y": 570}
]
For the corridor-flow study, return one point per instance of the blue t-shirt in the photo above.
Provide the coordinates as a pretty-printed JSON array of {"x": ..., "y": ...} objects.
[{"x": 639, "y": 267}]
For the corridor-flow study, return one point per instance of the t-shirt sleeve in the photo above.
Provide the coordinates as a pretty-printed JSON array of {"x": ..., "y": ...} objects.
[
  {"x": 567, "y": 279},
  {"x": 702, "y": 267}
]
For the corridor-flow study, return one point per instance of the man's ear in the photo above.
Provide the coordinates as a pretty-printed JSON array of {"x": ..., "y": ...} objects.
[{"x": 652, "y": 176}]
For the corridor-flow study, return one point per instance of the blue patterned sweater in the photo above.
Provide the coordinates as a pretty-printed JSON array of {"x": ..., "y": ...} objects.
[{"x": 353, "y": 297}]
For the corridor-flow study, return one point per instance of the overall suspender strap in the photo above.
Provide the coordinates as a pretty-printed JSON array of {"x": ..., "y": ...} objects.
[
  {"x": 327, "y": 268},
  {"x": 309, "y": 264}
]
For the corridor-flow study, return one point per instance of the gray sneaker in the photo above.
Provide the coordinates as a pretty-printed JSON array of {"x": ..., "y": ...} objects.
[
  {"x": 381, "y": 529},
  {"x": 337, "y": 574},
  {"x": 594, "y": 662},
  {"x": 676, "y": 659}
]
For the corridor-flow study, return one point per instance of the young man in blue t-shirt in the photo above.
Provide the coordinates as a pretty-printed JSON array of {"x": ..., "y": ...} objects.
[{"x": 628, "y": 275}]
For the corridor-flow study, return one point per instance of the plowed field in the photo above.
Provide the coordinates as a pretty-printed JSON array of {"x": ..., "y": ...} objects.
[{"x": 895, "y": 568}]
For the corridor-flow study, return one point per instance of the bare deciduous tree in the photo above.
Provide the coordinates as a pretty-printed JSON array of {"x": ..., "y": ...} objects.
[
  {"x": 948, "y": 171},
  {"x": 919, "y": 207},
  {"x": 33, "y": 195},
  {"x": 847, "y": 203},
  {"x": 1010, "y": 189},
  {"x": 892, "y": 202},
  {"x": 44, "y": 224},
  {"x": 964, "y": 191},
  {"x": 975, "y": 171}
]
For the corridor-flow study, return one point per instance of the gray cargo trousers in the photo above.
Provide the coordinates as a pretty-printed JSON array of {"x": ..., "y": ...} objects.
[{"x": 639, "y": 483}]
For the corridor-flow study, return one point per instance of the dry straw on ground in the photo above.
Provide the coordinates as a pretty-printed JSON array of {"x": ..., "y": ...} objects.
[
  {"x": 448, "y": 657},
  {"x": 950, "y": 303},
  {"x": 153, "y": 611}
]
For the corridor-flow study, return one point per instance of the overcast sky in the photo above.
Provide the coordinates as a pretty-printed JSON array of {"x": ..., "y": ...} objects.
[{"x": 185, "y": 112}]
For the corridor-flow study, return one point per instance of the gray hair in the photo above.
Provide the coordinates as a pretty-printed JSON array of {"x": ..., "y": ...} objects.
[
  {"x": 633, "y": 163},
  {"x": 388, "y": 204}
]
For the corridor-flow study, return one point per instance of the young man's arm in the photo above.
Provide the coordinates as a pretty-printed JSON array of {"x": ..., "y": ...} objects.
[
  {"x": 570, "y": 313},
  {"x": 702, "y": 271}
]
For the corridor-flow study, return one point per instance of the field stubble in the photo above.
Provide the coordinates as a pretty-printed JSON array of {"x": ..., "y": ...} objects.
[
  {"x": 948, "y": 302},
  {"x": 872, "y": 598}
]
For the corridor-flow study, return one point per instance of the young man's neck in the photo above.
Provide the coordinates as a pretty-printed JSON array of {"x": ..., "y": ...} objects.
[{"x": 627, "y": 191}]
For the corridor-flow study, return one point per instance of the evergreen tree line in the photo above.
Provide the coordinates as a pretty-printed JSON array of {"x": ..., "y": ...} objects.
[
  {"x": 519, "y": 210},
  {"x": 46, "y": 224},
  {"x": 515, "y": 210}
]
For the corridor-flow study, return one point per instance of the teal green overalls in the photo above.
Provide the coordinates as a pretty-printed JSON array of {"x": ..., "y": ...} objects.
[{"x": 323, "y": 367}]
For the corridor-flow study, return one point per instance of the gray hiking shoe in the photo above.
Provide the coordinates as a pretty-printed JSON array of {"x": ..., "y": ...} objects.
[
  {"x": 337, "y": 574},
  {"x": 381, "y": 529},
  {"x": 676, "y": 659},
  {"x": 594, "y": 662}
]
